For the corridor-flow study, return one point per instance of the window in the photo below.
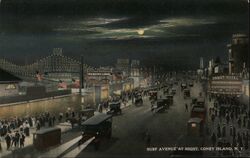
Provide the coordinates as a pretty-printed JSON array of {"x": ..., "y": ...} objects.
[{"x": 193, "y": 125}]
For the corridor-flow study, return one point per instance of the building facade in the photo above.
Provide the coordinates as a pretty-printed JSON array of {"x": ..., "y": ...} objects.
[
  {"x": 238, "y": 53},
  {"x": 226, "y": 85}
]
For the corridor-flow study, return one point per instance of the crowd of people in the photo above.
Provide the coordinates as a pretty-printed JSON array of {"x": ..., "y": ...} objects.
[
  {"x": 14, "y": 130},
  {"x": 231, "y": 122}
]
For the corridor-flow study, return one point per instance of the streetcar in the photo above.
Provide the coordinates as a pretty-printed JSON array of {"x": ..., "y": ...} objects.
[
  {"x": 98, "y": 126},
  {"x": 195, "y": 127},
  {"x": 199, "y": 112}
]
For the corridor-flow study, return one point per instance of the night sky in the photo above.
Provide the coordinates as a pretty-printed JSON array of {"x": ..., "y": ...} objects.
[{"x": 173, "y": 34}]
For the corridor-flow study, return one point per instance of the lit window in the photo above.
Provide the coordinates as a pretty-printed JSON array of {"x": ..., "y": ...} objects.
[{"x": 193, "y": 125}]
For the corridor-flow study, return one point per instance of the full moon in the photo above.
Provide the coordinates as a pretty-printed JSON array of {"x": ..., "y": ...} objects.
[{"x": 140, "y": 32}]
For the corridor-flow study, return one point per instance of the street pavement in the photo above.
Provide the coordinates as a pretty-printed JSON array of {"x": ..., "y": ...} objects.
[{"x": 129, "y": 129}]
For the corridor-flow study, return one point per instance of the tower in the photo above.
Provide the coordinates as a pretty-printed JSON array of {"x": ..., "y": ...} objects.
[{"x": 201, "y": 63}]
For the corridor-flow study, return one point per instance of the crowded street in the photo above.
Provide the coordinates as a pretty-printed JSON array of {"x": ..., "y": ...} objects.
[
  {"x": 124, "y": 79},
  {"x": 139, "y": 130},
  {"x": 129, "y": 128}
]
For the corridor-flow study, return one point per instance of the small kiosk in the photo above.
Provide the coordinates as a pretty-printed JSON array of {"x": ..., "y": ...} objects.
[{"x": 46, "y": 138}]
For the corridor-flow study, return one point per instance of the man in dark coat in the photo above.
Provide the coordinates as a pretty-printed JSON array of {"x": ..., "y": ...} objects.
[
  {"x": 27, "y": 131},
  {"x": 17, "y": 137},
  {"x": 22, "y": 139},
  {"x": 8, "y": 141},
  {"x": 213, "y": 138}
]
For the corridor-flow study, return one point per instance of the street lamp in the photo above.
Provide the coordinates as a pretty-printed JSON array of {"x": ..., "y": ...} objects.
[{"x": 82, "y": 102}]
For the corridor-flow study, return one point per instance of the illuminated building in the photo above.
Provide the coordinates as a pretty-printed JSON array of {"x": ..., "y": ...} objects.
[
  {"x": 226, "y": 85},
  {"x": 8, "y": 84}
]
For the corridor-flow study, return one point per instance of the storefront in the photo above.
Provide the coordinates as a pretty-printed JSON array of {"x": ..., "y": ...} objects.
[
  {"x": 104, "y": 92},
  {"x": 128, "y": 85},
  {"x": 101, "y": 93}
]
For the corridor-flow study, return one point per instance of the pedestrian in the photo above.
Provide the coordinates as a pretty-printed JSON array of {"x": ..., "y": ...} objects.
[
  {"x": 53, "y": 120},
  {"x": 30, "y": 122},
  {"x": 17, "y": 139},
  {"x": 224, "y": 131},
  {"x": 234, "y": 132},
  {"x": 210, "y": 111},
  {"x": 27, "y": 131},
  {"x": 148, "y": 139},
  {"x": 234, "y": 144},
  {"x": 66, "y": 115},
  {"x": 232, "y": 116},
  {"x": 231, "y": 130},
  {"x": 38, "y": 125},
  {"x": 247, "y": 135},
  {"x": 73, "y": 114},
  {"x": 186, "y": 107},
  {"x": 60, "y": 117},
  {"x": 246, "y": 144},
  {"x": 239, "y": 122},
  {"x": 1, "y": 147},
  {"x": 22, "y": 139},
  {"x": 239, "y": 140},
  {"x": 50, "y": 122},
  {"x": 248, "y": 124},
  {"x": 227, "y": 118},
  {"x": 218, "y": 131},
  {"x": 213, "y": 138},
  {"x": 244, "y": 121},
  {"x": 212, "y": 117},
  {"x": 13, "y": 139},
  {"x": 72, "y": 123},
  {"x": 8, "y": 141},
  {"x": 152, "y": 106}
]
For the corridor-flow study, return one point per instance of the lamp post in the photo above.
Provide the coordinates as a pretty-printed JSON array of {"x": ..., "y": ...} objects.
[
  {"x": 81, "y": 81},
  {"x": 82, "y": 102},
  {"x": 81, "y": 75}
]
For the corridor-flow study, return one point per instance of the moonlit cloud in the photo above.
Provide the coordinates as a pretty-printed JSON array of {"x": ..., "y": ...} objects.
[
  {"x": 97, "y": 28},
  {"x": 175, "y": 32}
]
